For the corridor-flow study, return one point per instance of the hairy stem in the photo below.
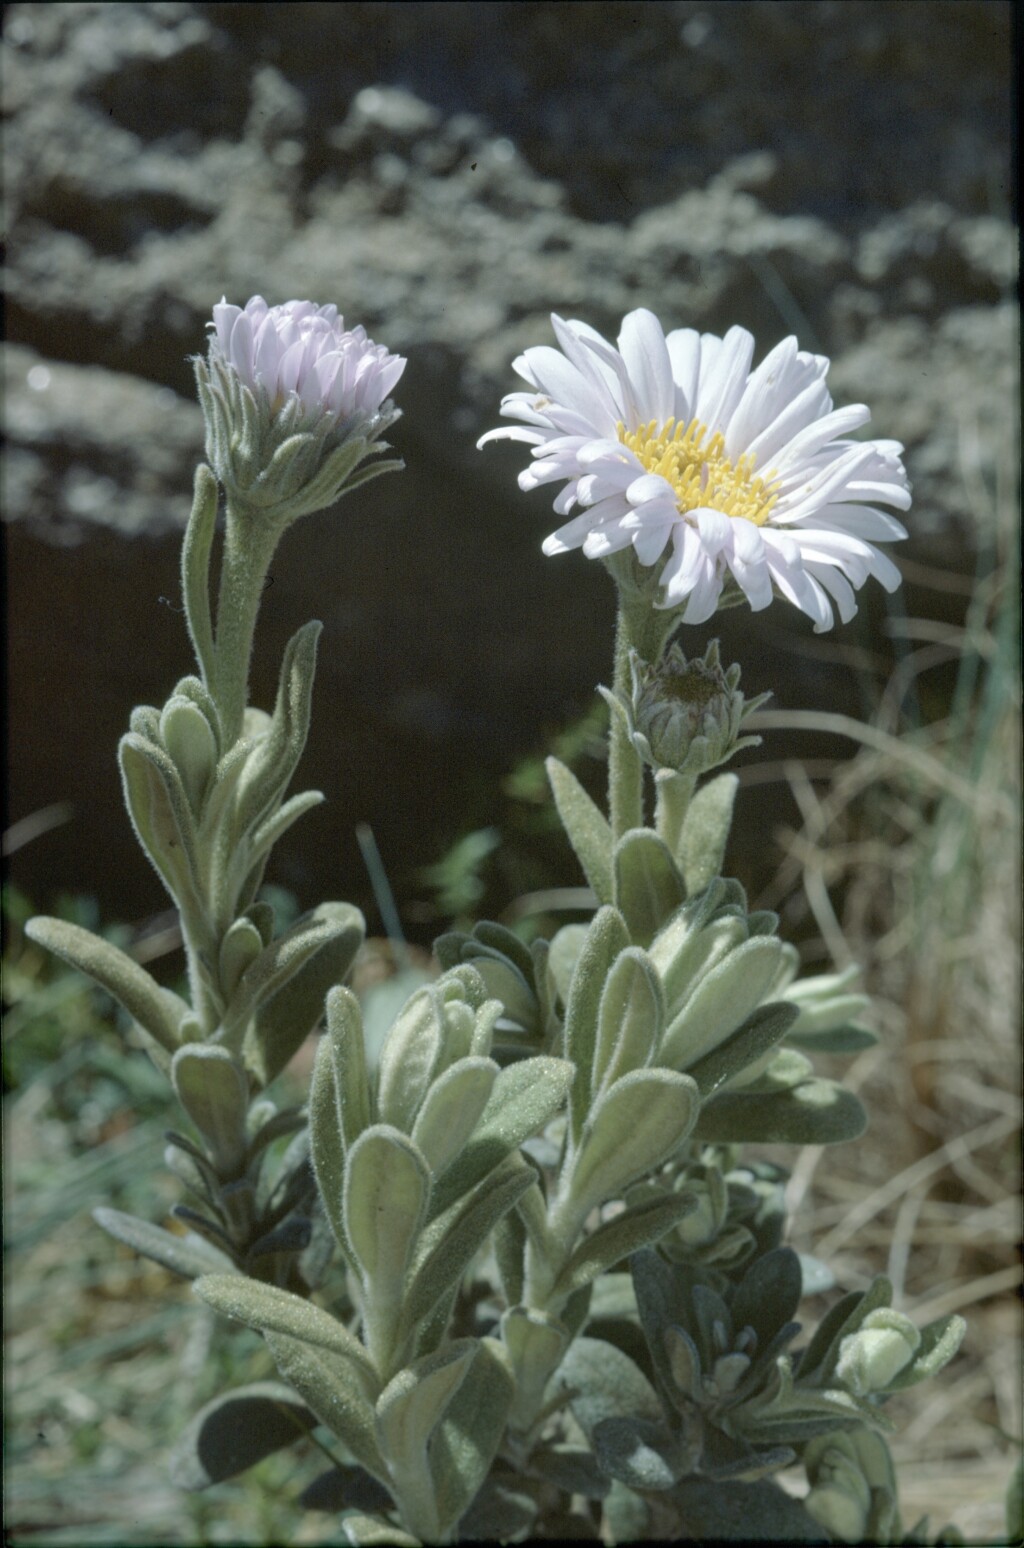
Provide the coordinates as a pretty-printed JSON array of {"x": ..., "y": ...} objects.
[{"x": 249, "y": 543}]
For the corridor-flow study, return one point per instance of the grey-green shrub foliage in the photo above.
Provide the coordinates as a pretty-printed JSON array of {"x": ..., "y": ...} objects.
[{"x": 553, "y": 1294}]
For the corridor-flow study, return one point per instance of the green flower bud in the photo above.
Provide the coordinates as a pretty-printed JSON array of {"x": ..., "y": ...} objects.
[
  {"x": 841, "y": 1498},
  {"x": 853, "y": 1486},
  {"x": 684, "y": 717},
  {"x": 869, "y": 1359}
]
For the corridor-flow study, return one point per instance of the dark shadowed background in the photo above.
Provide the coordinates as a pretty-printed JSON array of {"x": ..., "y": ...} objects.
[{"x": 449, "y": 174}]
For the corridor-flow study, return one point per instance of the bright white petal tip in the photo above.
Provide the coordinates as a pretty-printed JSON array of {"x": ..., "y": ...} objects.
[{"x": 717, "y": 472}]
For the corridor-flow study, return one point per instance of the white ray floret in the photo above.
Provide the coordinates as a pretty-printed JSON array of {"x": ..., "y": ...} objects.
[{"x": 673, "y": 446}]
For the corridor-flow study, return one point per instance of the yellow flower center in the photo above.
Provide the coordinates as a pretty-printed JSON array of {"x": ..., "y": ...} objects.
[{"x": 700, "y": 472}]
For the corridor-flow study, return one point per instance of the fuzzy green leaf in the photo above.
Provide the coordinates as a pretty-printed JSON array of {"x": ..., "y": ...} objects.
[
  {"x": 409, "y": 1410},
  {"x": 282, "y": 1024},
  {"x": 270, "y": 1310},
  {"x": 723, "y": 1000},
  {"x": 195, "y": 567},
  {"x": 365, "y": 1531},
  {"x": 160, "y": 814},
  {"x": 606, "y": 937},
  {"x": 819, "y": 1358},
  {"x": 847, "y": 1039},
  {"x": 586, "y": 827},
  {"x": 524, "y": 1097},
  {"x": 387, "y": 1186},
  {"x": 235, "y": 1431},
  {"x": 641, "y": 1453},
  {"x": 603, "y": 1383},
  {"x": 158, "y": 1012},
  {"x": 275, "y": 757},
  {"x": 817, "y": 1112},
  {"x": 450, "y": 1242},
  {"x": 336, "y": 925},
  {"x": 409, "y": 1058},
  {"x": 451, "y": 1110},
  {"x": 635, "y": 1126},
  {"x": 213, "y": 1090},
  {"x": 278, "y": 823},
  {"x": 648, "y": 885},
  {"x": 617, "y": 1239},
  {"x": 705, "y": 832},
  {"x": 190, "y": 1255},
  {"x": 339, "y": 1103},
  {"x": 466, "y": 1441},
  {"x": 334, "y": 1388},
  {"x": 566, "y": 945},
  {"x": 940, "y": 1341},
  {"x": 187, "y": 735},
  {"x": 758, "y": 1035},
  {"x": 630, "y": 1019}
]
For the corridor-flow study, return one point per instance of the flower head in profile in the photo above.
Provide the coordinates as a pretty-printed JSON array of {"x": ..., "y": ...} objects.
[
  {"x": 720, "y": 475},
  {"x": 294, "y": 402}
]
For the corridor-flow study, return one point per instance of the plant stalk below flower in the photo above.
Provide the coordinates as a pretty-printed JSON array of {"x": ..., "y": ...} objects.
[{"x": 249, "y": 543}]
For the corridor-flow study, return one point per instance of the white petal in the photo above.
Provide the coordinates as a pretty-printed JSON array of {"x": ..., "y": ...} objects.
[
  {"x": 863, "y": 520},
  {"x": 715, "y": 529},
  {"x": 606, "y": 540},
  {"x": 748, "y": 563},
  {"x": 766, "y": 392},
  {"x": 799, "y": 588},
  {"x": 649, "y": 542},
  {"x": 241, "y": 346},
  {"x": 643, "y": 349},
  {"x": 512, "y": 433},
  {"x": 583, "y": 359},
  {"x": 560, "y": 381},
  {"x": 825, "y": 485},
  {"x": 704, "y": 597},
  {"x": 681, "y": 569},
  {"x": 650, "y": 486},
  {"x": 838, "y": 587},
  {"x": 724, "y": 364},
  {"x": 684, "y": 353},
  {"x": 811, "y": 438},
  {"x": 224, "y": 315}
]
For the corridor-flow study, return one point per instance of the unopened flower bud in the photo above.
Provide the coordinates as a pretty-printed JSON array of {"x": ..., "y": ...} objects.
[
  {"x": 853, "y": 1486},
  {"x": 684, "y": 717},
  {"x": 294, "y": 404},
  {"x": 871, "y": 1358},
  {"x": 841, "y": 1498}
]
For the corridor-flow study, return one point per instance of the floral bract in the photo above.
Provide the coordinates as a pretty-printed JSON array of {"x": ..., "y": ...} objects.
[{"x": 674, "y": 446}]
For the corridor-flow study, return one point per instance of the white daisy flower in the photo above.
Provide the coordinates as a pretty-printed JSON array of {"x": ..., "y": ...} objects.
[{"x": 674, "y": 446}]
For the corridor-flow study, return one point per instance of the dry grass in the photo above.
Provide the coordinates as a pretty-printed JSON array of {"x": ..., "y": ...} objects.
[{"x": 907, "y": 861}]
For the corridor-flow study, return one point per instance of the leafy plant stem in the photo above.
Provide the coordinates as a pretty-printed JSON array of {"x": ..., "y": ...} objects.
[
  {"x": 645, "y": 629},
  {"x": 249, "y": 543},
  {"x": 674, "y": 794}
]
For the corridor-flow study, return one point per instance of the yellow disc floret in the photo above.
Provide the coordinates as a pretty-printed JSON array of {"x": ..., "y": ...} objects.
[{"x": 699, "y": 471}]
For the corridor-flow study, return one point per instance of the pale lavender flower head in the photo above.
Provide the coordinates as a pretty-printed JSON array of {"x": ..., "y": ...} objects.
[
  {"x": 295, "y": 403},
  {"x": 305, "y": 349}
]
